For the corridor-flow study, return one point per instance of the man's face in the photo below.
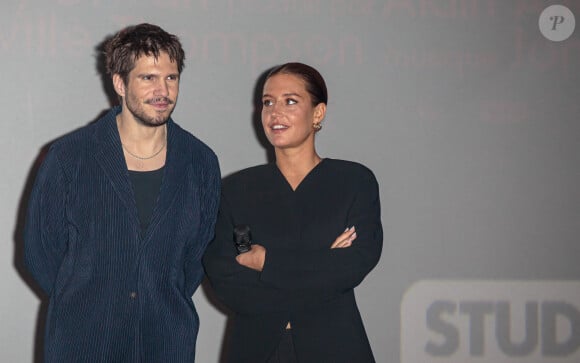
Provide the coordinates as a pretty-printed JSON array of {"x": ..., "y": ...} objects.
[{"x": 151, "y": 90}]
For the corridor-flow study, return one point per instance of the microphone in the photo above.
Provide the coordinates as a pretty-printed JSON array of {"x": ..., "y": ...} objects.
[{"x": 242, "y": 238}]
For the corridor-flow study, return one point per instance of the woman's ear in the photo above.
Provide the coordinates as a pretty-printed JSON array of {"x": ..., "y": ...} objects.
[{"x": 319, "y": 112}]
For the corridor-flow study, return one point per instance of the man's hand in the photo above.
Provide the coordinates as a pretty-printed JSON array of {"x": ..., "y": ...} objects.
[
  {"x": 254, "y": 258},
  {"x": 345, "y": 239}
]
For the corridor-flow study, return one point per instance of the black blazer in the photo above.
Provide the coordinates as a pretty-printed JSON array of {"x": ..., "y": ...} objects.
[{"x": 303, "y": 282}]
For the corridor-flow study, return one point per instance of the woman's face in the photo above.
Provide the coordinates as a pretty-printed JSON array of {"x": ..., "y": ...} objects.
[{"x": 287, "y": 112}]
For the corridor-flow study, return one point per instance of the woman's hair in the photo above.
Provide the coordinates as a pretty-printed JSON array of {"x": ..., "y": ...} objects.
[
  {"x": 315, "y": 84},
  {"x": 130, "y": 43}
]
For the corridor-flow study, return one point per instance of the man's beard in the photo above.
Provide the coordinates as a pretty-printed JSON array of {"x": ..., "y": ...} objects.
[{"x": 139, "y": 113}]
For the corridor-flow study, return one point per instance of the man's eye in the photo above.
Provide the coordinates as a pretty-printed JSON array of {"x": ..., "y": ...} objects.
[{"x": 291, "y": 101}]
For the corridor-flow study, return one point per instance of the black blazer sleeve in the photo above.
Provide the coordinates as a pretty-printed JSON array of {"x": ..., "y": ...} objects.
[{"x": 238, "y": 287}]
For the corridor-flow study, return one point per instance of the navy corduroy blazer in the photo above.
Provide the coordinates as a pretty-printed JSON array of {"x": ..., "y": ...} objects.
[{"x": 115, "y": 294}]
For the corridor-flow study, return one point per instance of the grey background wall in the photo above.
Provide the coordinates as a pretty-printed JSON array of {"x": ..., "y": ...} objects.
[{"x": 464, "y": 109}]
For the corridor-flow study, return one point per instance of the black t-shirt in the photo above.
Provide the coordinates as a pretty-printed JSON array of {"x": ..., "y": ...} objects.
[{"x": 146, "y": 186}]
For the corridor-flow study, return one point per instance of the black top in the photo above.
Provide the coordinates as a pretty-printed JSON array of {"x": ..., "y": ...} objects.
[
  {"x": 303, "y": 281},
  {"x": 146, "y": 185}
]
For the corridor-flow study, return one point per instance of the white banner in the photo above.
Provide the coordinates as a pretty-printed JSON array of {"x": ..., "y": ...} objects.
[{"x": 491, "y": 322}]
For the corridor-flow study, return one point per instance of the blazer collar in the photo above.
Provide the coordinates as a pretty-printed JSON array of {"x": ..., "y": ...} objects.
[{"x": 177, "y": 162}]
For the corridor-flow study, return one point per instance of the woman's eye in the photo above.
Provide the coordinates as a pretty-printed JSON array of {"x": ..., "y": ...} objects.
[
  {"x": 267, "y": 103},
  {"x": 290, "y": 101}
]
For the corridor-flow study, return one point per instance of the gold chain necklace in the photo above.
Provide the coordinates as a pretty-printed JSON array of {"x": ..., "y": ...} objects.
[
  {"x": 141, "y": 157},
  {"x": 147, "y": 157}
]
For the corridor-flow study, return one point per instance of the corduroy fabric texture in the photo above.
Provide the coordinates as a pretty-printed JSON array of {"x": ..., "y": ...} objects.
[{"x": 116, "y": 295}]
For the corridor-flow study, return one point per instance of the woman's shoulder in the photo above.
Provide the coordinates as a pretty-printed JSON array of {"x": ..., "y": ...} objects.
[
  {"x": 253, "y": 174},
  {"x": 348, "y": 168}
]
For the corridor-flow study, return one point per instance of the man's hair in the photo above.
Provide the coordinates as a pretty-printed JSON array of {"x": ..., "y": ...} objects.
[{"x": 130, "y": 43}]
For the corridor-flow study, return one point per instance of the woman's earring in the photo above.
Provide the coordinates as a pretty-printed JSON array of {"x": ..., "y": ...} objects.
[{"x": 316, "y": 126}]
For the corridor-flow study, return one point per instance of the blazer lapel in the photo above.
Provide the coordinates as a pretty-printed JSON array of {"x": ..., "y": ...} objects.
[
  {"x": 176, "y": 164},
  {"x": 109, "y": 156}
]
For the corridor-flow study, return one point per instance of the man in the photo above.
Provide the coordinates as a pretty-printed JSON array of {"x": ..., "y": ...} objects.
[{"x": 120, "y": 215}]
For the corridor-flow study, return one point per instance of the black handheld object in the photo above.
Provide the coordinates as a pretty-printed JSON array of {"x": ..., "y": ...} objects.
[{"x": 242, "y": 238}]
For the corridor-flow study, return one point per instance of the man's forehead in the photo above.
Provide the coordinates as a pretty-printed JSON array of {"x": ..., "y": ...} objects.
[{"x": 150, "y": 60}]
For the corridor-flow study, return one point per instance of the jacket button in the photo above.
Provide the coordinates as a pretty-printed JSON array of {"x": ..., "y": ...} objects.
[{"x": 133, "y": 295}]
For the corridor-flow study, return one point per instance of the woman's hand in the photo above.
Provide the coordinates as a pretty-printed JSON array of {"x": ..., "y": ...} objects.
[
  {"x": 345, "y": 239},
  {"x": 254, "y": 258}
]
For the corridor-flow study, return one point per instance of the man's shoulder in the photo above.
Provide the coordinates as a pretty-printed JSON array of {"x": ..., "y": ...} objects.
[
  {"x": 75, "y": 140},
  {"x": 86, "y": 136},
  {"x": 188, "y": 140}
]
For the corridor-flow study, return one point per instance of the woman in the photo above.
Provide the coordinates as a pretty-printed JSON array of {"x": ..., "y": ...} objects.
[{"x": 316, "y": 230}]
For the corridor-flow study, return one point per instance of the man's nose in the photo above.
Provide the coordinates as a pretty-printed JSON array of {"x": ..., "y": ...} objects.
[{"x": 162, "y": 89}]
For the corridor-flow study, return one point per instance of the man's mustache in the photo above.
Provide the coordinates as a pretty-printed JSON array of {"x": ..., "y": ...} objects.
[{"x": 160, "y": 100}]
